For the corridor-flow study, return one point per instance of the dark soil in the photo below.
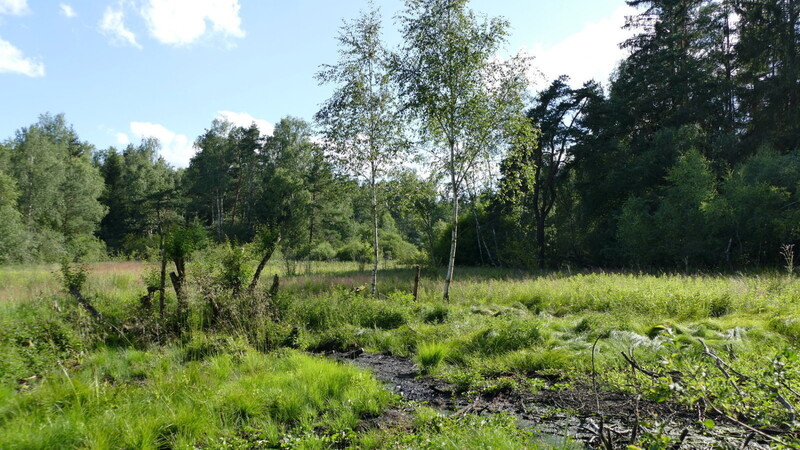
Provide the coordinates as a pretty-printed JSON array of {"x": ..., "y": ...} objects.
[{"x": 595, "y": 418}]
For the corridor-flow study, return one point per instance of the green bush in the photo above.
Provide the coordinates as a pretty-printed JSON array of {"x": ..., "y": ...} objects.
[
  {"x": 322, "y": 252},
  {"x": 438, "y": 313},
  {"x": 355, "y": 251}
]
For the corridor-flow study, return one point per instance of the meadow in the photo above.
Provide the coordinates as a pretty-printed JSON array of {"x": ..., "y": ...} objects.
[{"x": 255, "y": 374}]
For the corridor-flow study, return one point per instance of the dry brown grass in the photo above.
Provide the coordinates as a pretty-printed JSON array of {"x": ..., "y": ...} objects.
[{"x": 27, "y": 282}]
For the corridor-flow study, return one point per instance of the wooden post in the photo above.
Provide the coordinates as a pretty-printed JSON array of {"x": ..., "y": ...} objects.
[{"x": 416, "y": 283}]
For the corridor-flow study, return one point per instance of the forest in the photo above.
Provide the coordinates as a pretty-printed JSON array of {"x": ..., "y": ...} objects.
[
  {"x": 688, "y": 160},
  {"x": 570, "y": 225}
]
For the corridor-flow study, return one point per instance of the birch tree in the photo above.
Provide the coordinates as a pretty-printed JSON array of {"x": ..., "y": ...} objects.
[
  {"x": 360, "y": 121},
  {"x": 463, "y": 95}
]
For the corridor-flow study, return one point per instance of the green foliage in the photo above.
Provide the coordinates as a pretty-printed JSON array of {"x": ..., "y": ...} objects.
[
  {"x": 323, "y": 251},
  {"x": 58, "y": 190},
  {"x": 73, "y": 276},
  {"x": 354, "y": 251},
  {"x": 12, "y": 231},
  {"x": 183, "y": 240}
]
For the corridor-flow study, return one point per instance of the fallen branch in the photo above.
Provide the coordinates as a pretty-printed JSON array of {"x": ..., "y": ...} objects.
[
  {"x": 85, "y": 303},
  {"x": 636, "y": 366},
  {"x": 745, "y": 426}
]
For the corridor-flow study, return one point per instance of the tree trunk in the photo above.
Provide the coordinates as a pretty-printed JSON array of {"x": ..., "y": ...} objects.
[
  {"x": 267, "y": 255},
  {"x": 540, "y": 239},
  {"x": 416, "y": 283},
  {"x": 375, "y": 252},
  {"x": 163, "y": 280},
  {"x": 85, "y": 303},
  {"x": 451, "y": 262},
  {"x": 177, "y": 284}
]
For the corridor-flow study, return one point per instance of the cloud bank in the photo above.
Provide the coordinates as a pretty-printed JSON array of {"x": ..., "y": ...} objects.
[
  {"x": 241, "y": 119},
  {"x": 176, "y": 149},
  {"x": 113, "y": 25},
  {"x": 12, "y": 60},
  {"x": 591, "y": 53},
  {"x": 182, "y": 22},
  {"x": 14, "y": 7}
]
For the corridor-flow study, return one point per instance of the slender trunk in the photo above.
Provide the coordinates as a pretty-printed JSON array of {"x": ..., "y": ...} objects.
[
  {"x": 375, "y": 252},
  {"x": 311, "y": 218},
  {"x": 177, "y": 284},
  {"x": 267, "y": 255},
  {"x": 85, "y": 303},
  {"x": 540, "y": 238},
  {"x": 163, "y": 276},
  {"x": 416, "y": 283},
  {"x": 477, "y": 229},
  {"x": 454, "y": 222}
]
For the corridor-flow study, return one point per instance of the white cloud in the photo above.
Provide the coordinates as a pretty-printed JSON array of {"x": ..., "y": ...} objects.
[
  {"x": 592, "y": 53},
  {"x": 122, "y": 139},
  {"x": 181, "y": 22},
  {"x": 177, "y": 149},
  {"x": 13, "y": 61},
  {"x": 14, "y": 7},
  {"x": 113, "y": 25},
  {"x": 245, "y": 120},
  {"x": 67, "y": 10}
]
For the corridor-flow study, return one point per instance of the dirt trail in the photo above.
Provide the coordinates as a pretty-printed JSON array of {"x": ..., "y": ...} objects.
[{"x": 577, "y": 412}]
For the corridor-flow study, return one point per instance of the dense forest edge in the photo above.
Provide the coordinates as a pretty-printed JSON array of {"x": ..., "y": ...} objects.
[
  {"x": 617, "y": 258},
  {"x": 687, "y": 160}
]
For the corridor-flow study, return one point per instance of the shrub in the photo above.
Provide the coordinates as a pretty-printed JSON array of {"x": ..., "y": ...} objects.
[
  {"x": 355, "y": 251},
  {"x": 202, "y": 346},
  {"x": 322, "y": 252}
]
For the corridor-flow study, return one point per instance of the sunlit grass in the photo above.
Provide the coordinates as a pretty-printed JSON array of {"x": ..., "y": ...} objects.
[
  {"x": 211, "y": 388},
  {"x": 153, "y": 399}
]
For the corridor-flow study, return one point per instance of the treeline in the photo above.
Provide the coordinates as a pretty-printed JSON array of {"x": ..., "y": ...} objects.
[
  {"x": 690, "y": 158},
  {"x": 60, "y": 197}
]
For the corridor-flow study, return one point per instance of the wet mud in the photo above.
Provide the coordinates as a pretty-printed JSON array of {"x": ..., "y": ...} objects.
[{"x": 593, "y": 418}]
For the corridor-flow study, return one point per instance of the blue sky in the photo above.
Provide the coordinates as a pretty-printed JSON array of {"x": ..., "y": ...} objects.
[{"x": 125, "y": 69}]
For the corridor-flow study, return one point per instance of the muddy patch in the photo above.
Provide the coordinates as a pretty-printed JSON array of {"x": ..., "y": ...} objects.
[{"x": 597, "y": 419}]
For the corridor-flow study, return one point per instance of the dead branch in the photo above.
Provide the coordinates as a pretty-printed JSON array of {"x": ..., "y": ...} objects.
[
  {"x": 85, "y": 303},
  {"x": 636, "y": 366}
]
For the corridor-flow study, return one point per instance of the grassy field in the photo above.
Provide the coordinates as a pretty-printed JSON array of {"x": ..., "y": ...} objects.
[{"x": 246, "y": 378}]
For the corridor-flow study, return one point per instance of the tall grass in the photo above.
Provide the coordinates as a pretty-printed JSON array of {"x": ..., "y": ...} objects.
[
  {"x": 76, "y": 381},
  {"x": 156, "y": 399}
]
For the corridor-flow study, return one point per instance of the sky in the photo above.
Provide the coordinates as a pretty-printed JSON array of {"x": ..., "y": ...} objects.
[{"x": 122, "y": 70}]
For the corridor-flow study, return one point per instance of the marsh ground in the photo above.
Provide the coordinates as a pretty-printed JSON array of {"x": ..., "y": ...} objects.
[{"x": 712, "y": 354}]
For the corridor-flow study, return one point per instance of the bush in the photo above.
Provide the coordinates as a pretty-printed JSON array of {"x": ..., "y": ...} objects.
[
  {"x": 202, "y": 346},
  {"x": 355, "y": 251},
  {"x": 322, "y": 252}
]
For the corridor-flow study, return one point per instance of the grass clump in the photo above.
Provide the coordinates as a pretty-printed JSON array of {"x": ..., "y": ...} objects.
[
  {"x": 430, "y": 355},
  {"x": 137, "y": 399}
]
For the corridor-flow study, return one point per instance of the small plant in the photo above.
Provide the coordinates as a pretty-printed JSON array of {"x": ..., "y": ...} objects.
[
  {"x": 437, "y": 314},
  {"x": 430, "y": 355},
  {"x": 73, "y": 276},
  {"x": 787, "y": 251}
]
